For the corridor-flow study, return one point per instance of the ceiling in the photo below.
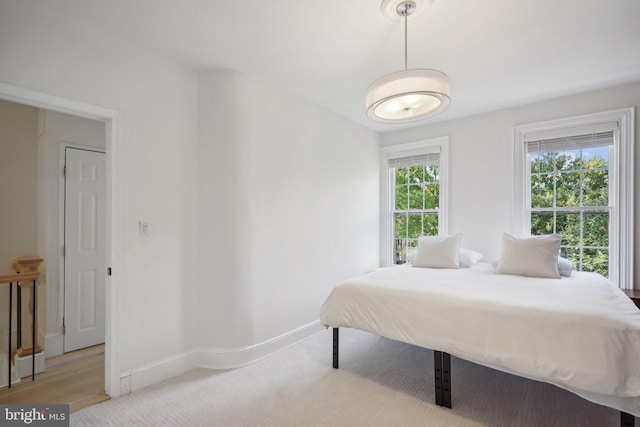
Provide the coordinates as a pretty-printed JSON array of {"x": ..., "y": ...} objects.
[{"x": 497, "y": 53}]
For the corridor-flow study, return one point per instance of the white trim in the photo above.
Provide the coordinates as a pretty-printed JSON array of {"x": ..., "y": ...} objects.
[
  {"x": 405, "y": 150},
  {"x": 242, "y": 356},
  {"x": 53, "y": 344},
  {"x": 626, "y": 197},
  {"x": 113, "y": 141},
  {"x": 54, "y": 103},
  {"x": 160, "y": 370},
  {"x": 621, "y": 164},
  {"x": 180, "y": 363}
]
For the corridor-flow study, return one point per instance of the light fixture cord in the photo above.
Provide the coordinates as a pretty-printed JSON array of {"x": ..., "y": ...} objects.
[{"x": 406, "y": 13}]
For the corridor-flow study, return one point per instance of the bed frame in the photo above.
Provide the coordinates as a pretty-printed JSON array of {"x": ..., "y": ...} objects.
[{"x": 442, "y": 377}]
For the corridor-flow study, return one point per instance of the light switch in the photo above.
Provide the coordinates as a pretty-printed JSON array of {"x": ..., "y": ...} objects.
[{"x": 145, "y": 228}]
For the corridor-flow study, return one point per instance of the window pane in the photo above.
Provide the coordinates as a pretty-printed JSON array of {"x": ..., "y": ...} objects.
[
  {"x": 541, "y": 223},
  {"x": 430, "y": 225},
  {"x": 432, "y": 196},
  {"x": 534, "y": 160},
  {"x": 573, "y": 255},
  {"x": 596, "y": 229},
  {"x": 432, "y": 173},
  {"x": 401, "y": 175},
  {"x": 399, "y": 251},
  {"x": 415, "y": 196},
  {"x": 402, "y": 199},
  {"x": 412, "y": 246},
  {"x": 595, "y": 188},
  {"x": 596, "y": 260},
  {"x": 400, "y": 223},
  {"x": 568, "y": 225},
  {"x": 568, "y": 189},
  {"x": 542, "y": 191},
  {"x": 596, "y": 157},
  {"x": 415, "y": 226},
  {"x": 567, "y": 160},
  {"x": 416, "y": 174},
  {"x": 542, "y": 162}
]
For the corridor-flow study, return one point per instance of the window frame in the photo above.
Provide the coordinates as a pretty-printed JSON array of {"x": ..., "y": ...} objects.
[
  {"x": 621, "y": 180},
  {"x": 582, "y": 210},
  {"x": 433, "y": 145}
]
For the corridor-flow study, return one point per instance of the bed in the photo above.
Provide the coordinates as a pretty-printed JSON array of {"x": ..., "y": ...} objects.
[{"x": 580, "y": 333}]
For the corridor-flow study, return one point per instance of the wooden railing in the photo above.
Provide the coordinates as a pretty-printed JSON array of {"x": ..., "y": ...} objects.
[
  {"x": 26, "y": 277},
  {"x": 10, "y": 278}
]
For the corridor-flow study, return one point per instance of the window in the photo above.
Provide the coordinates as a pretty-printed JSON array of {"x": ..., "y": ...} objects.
[
  {"x": 569, "y": 195},
  {"x": 415, "y": 196},
  {"x": 574, "y": 177}
]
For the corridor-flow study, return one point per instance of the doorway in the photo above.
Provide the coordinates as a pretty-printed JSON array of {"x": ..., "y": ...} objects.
[
  {"x": 111, "y": 118},
  {"x": 41, "y": 144}
]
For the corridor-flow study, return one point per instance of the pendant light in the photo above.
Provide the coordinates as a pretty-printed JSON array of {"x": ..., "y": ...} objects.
[{"x": 409, "y": 95}]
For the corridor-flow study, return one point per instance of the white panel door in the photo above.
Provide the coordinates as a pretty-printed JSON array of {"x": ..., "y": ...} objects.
[{"x": 85, "y": 254}]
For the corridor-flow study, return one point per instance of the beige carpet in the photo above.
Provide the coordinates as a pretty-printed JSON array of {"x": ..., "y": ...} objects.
[{"x": 380, "y": 383}]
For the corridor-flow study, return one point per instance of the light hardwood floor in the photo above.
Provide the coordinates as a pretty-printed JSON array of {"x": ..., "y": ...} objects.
[{"x": 76, "y": 378}]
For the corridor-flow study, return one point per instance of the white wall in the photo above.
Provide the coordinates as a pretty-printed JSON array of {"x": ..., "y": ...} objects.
[
  {"x": 18, "y": 201},
  {"x": 227, "y": 204},
  {"x": 156, "y": 177},
  {"x": 299, "y": 191},
  {"x": 18, "y": 173},
  {"x": 314, "y": 196},
  {"x": 225, "y": 235},
  {"x": 54, "y": 131},
  {"x": 481, "y": 161}
]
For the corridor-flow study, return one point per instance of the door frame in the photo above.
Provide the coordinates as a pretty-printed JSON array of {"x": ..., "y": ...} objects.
[
  {"x": 62, "y": 147},
  {"x": 113, "y": 225}
]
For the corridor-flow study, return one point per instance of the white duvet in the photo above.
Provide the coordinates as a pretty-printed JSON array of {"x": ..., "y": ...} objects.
[{"x": 580, "y": 333}]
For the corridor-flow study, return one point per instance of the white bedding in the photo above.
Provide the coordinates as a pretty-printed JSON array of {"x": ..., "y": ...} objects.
[{"x": 580, "y": 333}]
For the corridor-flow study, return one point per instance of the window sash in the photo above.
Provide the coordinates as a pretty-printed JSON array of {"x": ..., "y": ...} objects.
[
  {"x": 585, "y": 241},
  {"x": 562, "y": 145},
  {"x": 399, "y": 256}
]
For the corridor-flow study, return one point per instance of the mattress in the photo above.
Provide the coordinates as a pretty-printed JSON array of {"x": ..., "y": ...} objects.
[{"x": 580, "y": 333}]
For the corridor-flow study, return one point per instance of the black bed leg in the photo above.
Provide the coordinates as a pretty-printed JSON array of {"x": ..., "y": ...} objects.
[
  {"x": 446, "y": 380},
  {"x": 442, "y": 376},
  {"x": 335, "y": 348},
  {"x": 437, "y": 374},
  {"x": 627, "y": 420}
]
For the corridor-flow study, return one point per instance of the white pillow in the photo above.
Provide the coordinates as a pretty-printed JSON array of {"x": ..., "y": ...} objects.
[
  {"x": 411, "y": 254},
  {"x": 535, "y": 256},
  {"x": 469, "y": 257},
  {"x": 438, "y": 252},
  {"x": 565, "y": 267}
]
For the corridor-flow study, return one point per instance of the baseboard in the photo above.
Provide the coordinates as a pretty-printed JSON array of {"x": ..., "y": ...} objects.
[
  {"x": 161, "y": 370},
  {"x": 158, "y": 371},
  {"x": 53, "y": 345},
  {"x": 24, "y": 365},
  {"x": 242, "y": 356}
]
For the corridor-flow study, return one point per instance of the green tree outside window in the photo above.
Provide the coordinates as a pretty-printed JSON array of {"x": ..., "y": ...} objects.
[
  {"x": 570, "y": 196},
  {"x": 417, "y": 199}
]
